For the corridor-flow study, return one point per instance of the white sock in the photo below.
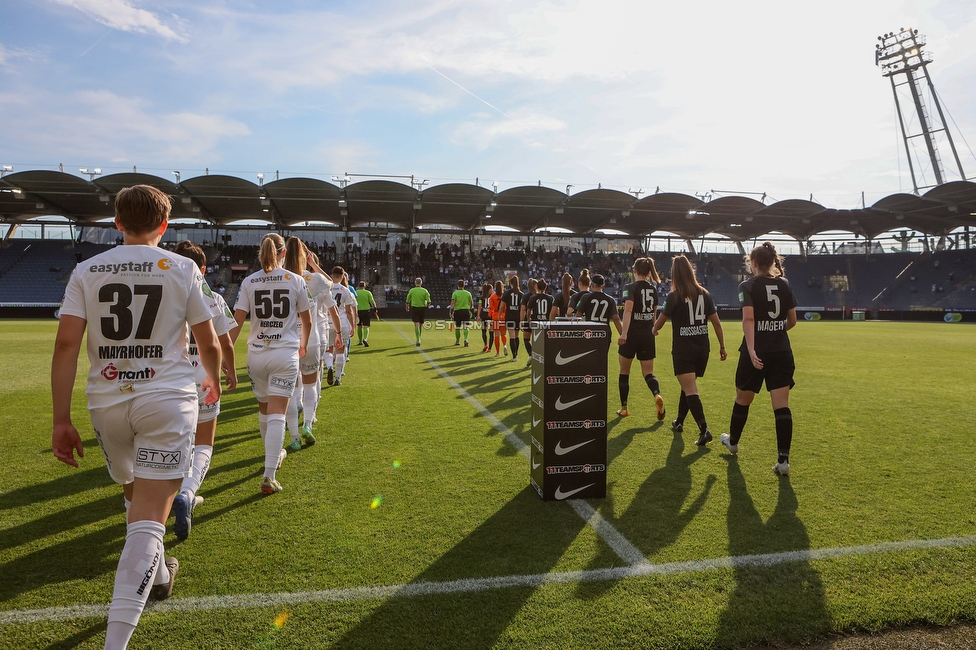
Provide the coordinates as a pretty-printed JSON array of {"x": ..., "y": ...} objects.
[
  {"x": 263, "y": 425},
  {"x": 340, "y": 363},
  {"x": 292, "y": 415},
  {"x": 198, "y": 470},
  {"x": 328, "y": 360},
  {"x": 142, "y": 557},
  {"x": 310, "y": 401},
  {"x": 273, "y": 443},
  {"x": 128, "y": 504}
]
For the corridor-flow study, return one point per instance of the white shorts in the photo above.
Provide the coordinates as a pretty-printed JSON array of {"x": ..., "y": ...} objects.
[
  {"x": 207, "y": 412},
  {"x": 148, "y": 437},
  {"x": 273, "y": 371},
  {"x": 309, "y": 364}
]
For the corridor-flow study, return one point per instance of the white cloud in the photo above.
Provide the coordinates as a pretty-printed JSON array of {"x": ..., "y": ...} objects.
[
  {"x": 101, "y": 125},
  {"x": 122, "y": 15}
]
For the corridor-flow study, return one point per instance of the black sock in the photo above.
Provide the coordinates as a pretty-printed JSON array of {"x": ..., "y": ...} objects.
[
  {"x": 491, "y": 340},
  {"x": 528, "y": 346},
  {"x": 623, "y": 383},
  {"x": 653, "y": 383},
  {"x": 740, "y": 413},
  {"x": 697, "y": 412},
  {"x": 682, "y": 408},
  {"x": 484, "y": 334},
  {"x": 784, "y": 432},
  {"x": 514, "y": 345}
]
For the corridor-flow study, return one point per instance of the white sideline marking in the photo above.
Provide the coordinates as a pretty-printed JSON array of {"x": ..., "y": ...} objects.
[
  {"x": 616, "y": 541},
  {"x": 470, "y": 585}
]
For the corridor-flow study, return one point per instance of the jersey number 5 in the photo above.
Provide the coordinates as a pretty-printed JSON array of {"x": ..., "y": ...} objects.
[
  {"x": 268, "y": 304},
  {"x": 118, "y": 326},
  {"x": 774, "y": 299}
]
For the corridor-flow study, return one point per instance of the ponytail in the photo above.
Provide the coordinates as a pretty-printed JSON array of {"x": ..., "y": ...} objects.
[{"x": 272, "y": 246}]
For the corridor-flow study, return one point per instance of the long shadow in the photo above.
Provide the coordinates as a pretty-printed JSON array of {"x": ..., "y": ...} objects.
[
  {"x": 444, "y": 621},
  {"x": 78, "y": 639},
  {"x": 781, "y": 602},
  {"x": 619, "y": 443},
  {"x": 658, "y": 513},
  {"x": 204, "y": 516},
  {"x": 72, "y": 483},
  {"x": 62, "y": 521}
]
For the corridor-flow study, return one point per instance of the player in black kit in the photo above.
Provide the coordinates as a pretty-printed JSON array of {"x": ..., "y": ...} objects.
[
  {"x": 597, "y": 306},
  {"x": 637, "y": 334},
  {"x": 531, "y": 285},
  {"x": 535, "y": 310},
  {"x": 513, "y": 309},
  {"x": 690, "y": 308},
  {"x": 768, "y": 311}
]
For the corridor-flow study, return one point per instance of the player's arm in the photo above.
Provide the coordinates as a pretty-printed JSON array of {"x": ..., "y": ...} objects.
[
  {"x": 749, "y": 331},
  {"x": 228, "y": 362},
  {"x": 239, "y": 316},
  {"x": 659, "y": 323},
  {"x": 351, "y": 311},
  {"x": 720, "y": 333},
  {"x": 616, "y": 322},
  {"x": 790, "y": 319},
  {"x": 306, "y": 319},
  {"x": 64, "y": 366},
  {"x": 628, "y": 317},
  {"x": 209, "y": 350},
  {"x": 336, "y": 327}
]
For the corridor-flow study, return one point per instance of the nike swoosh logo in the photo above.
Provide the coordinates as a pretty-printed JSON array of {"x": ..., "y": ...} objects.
[
  {"x": 562, "y": 406},
  {"x": 560, "y": 495},
  {"x": 535, "y": 380},
  {"x": 560, "y": 450},
  {"x": 562, "y": 361},
  {"x": 535, "y": 465},
  {"x": 535, "y": 422}
]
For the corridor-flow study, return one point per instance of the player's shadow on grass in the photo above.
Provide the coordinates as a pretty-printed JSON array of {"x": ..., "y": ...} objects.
[
  {"x": 78, "y": 639},
  {"x": 658, "y": 513},
  {"x": 619, "y": 443},
  {"x": 779, "y": 601},
  {"x": 73, "y": 483},
  {"x": 62, "y": 521},
  {"x": 81, "y": 557},
  {"x": 474, "y": 616}
]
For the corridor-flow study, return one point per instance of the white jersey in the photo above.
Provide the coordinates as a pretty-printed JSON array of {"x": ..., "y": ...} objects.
[
  {"x": 274, "y": 301},
  {"x": 320, "y": 289},
  {"x": 223, "y": 322},
  {"x": 344, "y": 297},
  {"x": 137, "y": 301}
]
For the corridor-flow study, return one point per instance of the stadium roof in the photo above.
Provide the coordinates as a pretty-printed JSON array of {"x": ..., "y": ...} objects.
[{"x": 382, "y": 205}]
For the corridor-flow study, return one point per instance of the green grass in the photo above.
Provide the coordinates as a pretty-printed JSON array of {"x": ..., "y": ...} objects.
[{"x": 881, "y": 453}]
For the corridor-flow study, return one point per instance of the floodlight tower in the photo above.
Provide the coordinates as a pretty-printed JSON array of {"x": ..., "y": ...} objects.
[{"x": 903, "y": 61}]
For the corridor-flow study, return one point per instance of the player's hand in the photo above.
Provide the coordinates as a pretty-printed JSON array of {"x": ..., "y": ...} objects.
[
  {"x": 302, "y": 350},
  {"x": 230, "y": 379},
  {"x": 340, "y": 345},
  {"x": 756, "y": 361},
  {"x": 656, "y": 332},
  {"x": 211, "y": 390},
  {"x": 722, "y": 354},
  {"x": 622, "y": 340},
  {"x": 65, "y": 441}
]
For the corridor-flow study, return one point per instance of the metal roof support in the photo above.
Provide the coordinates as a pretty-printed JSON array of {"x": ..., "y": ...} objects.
[{"x": 691, "y": 246}]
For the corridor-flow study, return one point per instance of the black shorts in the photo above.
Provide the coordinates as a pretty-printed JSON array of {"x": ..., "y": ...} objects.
[
  {"x": 462, "y": 317},
  {"x": 418, "y": 314},
  {"x": 640, "y": 345},
  {"x": 690, "y": 361},
  {"x": 777, "y": 372},
  {"x": 364, "y": 316},
  {"x": 512, "y": 325}
]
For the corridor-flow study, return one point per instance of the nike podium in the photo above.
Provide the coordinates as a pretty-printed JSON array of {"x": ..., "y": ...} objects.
[{"x": 569, "y": 410}]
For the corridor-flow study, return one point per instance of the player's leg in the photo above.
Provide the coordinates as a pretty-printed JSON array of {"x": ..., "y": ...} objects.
[
  {"x": 647, "y": 369},
  {"x": 514, "y": 341},
  {"x": 185, "y": 500},
  {"x": 291, "y": 419},
  {"x": 623, "y": 383},
  {"x": 689, "y": 389},
  {"x": 310, "y": 402}
]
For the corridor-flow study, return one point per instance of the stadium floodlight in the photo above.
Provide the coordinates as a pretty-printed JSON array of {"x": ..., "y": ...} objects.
[
  {"x": 177, "y": 174},
  {"x": 636, "y": 192},
  {"x": 261, "y": 180},
  {"x": 92, "y": 173},
  {"x": 568, "y": 188},
  {"x": 494, "y": 186},
  {"x": 5, "y": 169}
]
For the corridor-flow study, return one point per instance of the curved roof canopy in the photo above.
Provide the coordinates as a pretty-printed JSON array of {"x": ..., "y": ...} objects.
[{"x": 382, "y": 205}]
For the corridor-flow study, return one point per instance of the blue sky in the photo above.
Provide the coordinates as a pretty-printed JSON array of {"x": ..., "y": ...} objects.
[{"x": 749, "y": 96}]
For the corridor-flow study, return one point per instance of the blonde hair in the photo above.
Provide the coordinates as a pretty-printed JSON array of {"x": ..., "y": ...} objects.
[
  {"x": 295, "y": 258},
  {"x": 272, "y": 246},
  {"x": 683, "y": 279}
]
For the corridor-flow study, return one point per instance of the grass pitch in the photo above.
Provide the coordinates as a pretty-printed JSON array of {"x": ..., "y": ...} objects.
[{"x": 411, "y": 523}]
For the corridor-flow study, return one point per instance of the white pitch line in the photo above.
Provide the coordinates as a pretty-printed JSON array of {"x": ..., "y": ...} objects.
[
  {"x": 610, "y": 535},
  {"x": 471, "y": 585}
]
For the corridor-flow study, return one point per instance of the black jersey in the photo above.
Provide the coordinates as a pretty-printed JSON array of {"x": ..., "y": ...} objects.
[
  {"x": 537, "y": 307},
  {"x": 597, "y": 306},
  {"x": 513, "y": 306},
  {"x": 771, "y": 300},
  {"x": 644, "y": 296},
  {"x": 574, "y": 300},
  {"x": 562, "y": 304},
  {"x": 689, "y": 321}
]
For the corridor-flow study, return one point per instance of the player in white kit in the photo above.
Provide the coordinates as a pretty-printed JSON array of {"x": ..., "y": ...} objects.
[
  {"x": 223, "y": 322},
  {"x": 324, "y": 311},
  {"x": 335, "y": 358},
  {"x": 276, "y": 300},
  {"x": 142, "y": 396}
]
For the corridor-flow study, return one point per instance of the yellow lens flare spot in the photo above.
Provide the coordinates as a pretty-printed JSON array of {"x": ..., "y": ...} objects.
[
  {"x": 280, "y": 620},
  {"x": 375, "y": 503},
  {"x": 396, "y": 464}
]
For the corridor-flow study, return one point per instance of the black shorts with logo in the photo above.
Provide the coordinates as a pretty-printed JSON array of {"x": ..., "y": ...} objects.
[
  {"x": 639, "y": 344},
  {"x": 418, "y": 314},
  {"x": 777, "y": 371},
  {"x": 462, "y": 317},
  {"x": 688, "y": 361},
  {"x": 364, "y": 316}
]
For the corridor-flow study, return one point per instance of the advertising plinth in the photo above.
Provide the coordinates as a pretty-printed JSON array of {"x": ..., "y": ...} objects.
[{"x": 569, "y": 410}]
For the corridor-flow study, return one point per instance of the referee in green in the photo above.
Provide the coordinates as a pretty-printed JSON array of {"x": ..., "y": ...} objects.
[
  {"x": 461, "y": 303},
  {"x": 418, "y": 299},
  {"x": 365, "y": 306}
]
